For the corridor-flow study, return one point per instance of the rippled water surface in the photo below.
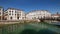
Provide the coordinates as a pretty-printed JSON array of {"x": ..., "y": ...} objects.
[{"x": 30, "y": 28}]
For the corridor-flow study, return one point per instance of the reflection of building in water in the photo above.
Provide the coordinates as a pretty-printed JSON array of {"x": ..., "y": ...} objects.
[
  {"x": 14, "y": 14},
  {"x": 1, "y": 13},
  {"x": 38, "y": 14}
]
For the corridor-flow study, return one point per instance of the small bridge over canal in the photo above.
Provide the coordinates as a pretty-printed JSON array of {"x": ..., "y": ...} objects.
[{"x": 49, "y": 19}]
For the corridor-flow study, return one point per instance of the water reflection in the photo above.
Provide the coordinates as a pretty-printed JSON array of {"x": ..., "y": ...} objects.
[
  {"x": 46, "y": 31},
  {"x": 30, "y": 28},
  {"x": 43, "y": 31},
  {"x": 56, "y": 24},
  {"x": 28, "y": 31}
]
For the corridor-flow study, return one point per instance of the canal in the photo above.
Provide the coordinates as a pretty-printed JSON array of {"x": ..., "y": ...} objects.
[{"x": 30, "y": 28}]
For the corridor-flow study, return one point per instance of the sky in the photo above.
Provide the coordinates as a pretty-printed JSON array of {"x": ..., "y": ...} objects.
[{"x": 28, "y": 5}]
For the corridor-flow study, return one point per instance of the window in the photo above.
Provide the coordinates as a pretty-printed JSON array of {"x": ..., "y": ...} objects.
[
  {"x": 20, "y": 14},
  {"x": 12, "y": 11},
  {"x": 17, "y": 17},
  {"x": 10, "y": 14},
  {"x": 0, "y": 9},
  {"x": 0, "y": 13},
  {"x": 15, "y": 11},
  {"x": 9, "y": 11},
  {"x": 6, "y": 12},
  {"x": 10, "y": 17},
  {"x": 15, "y": 14},
  {"x": 23, "y": 17},
  {"x": 34, "y": 17}
]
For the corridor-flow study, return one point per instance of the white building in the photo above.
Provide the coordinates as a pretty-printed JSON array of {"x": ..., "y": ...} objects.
[
  {"x": 1, "y": 13},
  {"x": 14, "y": 14},
  {"x": 55, "y": 15},
  {"x": 38, "y": 14}
]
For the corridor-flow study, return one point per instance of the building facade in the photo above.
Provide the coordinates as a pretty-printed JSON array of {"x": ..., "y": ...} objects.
[
  {"x": 14, "y": 14},
  {"x": 38, "y": 14},
  {"x": 55, "y": 16},
  {"x": 17, "y": 14},
  {"x": 1, "y": 13}
]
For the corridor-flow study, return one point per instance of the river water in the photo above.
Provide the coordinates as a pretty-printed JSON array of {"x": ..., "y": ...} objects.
[
  {"x": 30, "y": 28},
  {"x": 56, "y": 24}
]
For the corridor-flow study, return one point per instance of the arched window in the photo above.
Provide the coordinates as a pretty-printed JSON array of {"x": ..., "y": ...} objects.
[
  {"x": 10, "y": 17},
  {"x": 17, "y": 17}
]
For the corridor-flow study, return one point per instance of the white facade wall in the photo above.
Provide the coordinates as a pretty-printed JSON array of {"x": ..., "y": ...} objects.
[
  {"x": 38, "y": 14},
  {"x": 1, "y": 13},
  {"x": 15, "y": 14}
]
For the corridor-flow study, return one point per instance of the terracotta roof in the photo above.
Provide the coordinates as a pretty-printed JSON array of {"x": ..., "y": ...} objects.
[{"x": 55, "y": 14}]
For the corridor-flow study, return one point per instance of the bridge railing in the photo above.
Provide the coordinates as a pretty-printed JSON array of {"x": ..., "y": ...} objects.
[{"x": 49, "y": 18}]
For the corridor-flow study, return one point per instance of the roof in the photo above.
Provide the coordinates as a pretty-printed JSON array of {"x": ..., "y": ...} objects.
[
  {"x": 37, "y": 10},
  {"x": 15, "y": 9},
  {"x": 55, "y": 14}
]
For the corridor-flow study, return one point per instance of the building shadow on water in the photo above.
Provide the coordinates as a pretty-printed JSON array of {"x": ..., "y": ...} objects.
[
  {"x": 29, "y": 31},
  {"x": 43, "y": 31},
  {"x": 46, "y": 31}
]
